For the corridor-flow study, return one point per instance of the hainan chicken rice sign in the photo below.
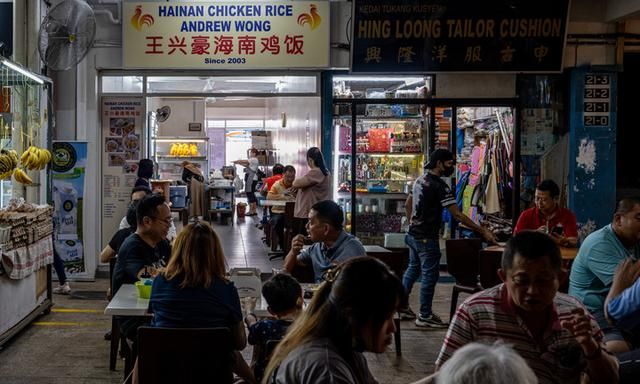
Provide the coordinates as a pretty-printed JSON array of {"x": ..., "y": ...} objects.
[{"x": 226, "y": 35}]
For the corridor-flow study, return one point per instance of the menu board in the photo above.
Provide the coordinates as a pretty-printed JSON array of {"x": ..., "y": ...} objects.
[{"x": 121, "y": 147}]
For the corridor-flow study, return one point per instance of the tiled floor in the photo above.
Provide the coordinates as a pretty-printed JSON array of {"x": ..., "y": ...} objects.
[{"x": 67, "y": 346}]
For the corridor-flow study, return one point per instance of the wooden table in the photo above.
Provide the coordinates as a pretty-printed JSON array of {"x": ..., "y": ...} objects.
[{"x": 568, "y": 254}]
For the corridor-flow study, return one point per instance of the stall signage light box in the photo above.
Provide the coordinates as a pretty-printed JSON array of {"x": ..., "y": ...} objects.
[
  {"x": 226, "y": 35},
  {"x": 418, "y": 36}
]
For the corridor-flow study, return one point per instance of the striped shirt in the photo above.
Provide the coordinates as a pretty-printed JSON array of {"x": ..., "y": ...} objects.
[{"x": 490, "y": 315}]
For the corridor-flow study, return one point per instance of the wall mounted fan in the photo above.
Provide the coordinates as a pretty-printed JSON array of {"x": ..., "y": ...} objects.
[
  {"x": 66, "y": 34},
  {"x": 163, "y": 113}
]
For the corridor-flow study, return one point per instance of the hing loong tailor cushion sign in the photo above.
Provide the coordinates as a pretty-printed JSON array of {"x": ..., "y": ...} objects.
[
  {"x": 417, "y": 36},
  {"x": 226, "y": 35}
]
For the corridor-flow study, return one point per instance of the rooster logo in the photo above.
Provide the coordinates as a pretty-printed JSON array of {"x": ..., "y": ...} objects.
[
  {"x": 138, "y": 19},
  {"x": 312, "y": 18}
]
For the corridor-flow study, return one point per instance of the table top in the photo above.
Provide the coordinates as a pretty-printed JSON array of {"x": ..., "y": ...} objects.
[
  {"x": 566, "y": 253},
  {"x": 127, "y": 303},
  {"x": 375, "y": 249},
  {"x": 274, "y": 203}
]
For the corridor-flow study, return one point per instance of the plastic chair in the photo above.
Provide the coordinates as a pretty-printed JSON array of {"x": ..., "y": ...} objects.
[
  {"x": 184, "y": 355},
  {"x": 462, "y": 264},
  {"x": 488, "y": 264}
]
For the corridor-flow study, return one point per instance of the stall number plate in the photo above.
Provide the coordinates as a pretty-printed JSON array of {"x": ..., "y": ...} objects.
[{"x": 597, "y": 100}]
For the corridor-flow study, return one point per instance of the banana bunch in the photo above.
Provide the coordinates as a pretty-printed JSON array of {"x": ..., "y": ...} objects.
[
  {"x": 35, "y": 158},
  {"x": 8, "y": 162},
  {"x": 183, "y": 149},
  {"x": 21, "y": 176}
]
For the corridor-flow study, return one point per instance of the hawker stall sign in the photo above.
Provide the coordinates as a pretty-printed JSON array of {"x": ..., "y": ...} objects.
[
  {"x": 226, "y": 35},
  {"x": 418, "y": 36}
]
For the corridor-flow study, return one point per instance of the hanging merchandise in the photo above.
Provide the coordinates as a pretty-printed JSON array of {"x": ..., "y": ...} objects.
[{"x": 486, "y": 153}]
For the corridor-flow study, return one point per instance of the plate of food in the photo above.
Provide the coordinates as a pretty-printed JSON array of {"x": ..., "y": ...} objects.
[
  {"x": 112, "y": 145},
  {"x": 131, "y": 142}
]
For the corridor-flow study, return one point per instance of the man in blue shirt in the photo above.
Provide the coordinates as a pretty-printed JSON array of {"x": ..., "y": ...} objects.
[
  {"x": 332, "y": 245},
  {"x": 593, "y": 269}
]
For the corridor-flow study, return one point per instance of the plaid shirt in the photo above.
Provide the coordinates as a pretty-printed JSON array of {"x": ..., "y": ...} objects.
[{"x": 490, "y": 315}]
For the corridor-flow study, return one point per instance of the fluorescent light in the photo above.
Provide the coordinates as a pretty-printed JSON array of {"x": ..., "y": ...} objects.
[
  {"x": 234, "y": 98},
  {"x": 392, "y": 154},
  {"x": 179, "y": 139},
  {"x": 251, "y": 81},
  {"x": 407, "y": 80},
  {"x": 23, "y": 71}
]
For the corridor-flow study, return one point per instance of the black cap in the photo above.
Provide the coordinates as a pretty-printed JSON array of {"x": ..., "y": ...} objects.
[{"x": 438, "y": 155}]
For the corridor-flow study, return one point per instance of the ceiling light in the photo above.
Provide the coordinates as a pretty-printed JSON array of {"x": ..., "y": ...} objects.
[
  {"x": 407, "y": 80},
  {"x": 252, "y": 81}
]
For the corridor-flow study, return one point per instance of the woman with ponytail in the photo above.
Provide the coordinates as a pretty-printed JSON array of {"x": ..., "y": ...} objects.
[
  {"x": 313, "y": 187},
  {"x": 351, "y": 312}
]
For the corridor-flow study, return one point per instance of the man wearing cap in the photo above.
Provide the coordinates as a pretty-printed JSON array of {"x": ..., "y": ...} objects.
[{"x": 430, "y": 196}]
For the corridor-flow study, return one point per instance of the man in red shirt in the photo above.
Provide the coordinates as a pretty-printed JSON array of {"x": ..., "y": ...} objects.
[
  {"x": 548, "y": 217},
  {"x": 278, "y": 171}
]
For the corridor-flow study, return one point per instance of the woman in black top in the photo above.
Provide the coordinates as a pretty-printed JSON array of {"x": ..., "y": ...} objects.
[{"x": 145, "y": 172}]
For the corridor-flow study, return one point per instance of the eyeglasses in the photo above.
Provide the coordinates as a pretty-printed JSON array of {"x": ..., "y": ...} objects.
[{"x": 166, "y": 220}]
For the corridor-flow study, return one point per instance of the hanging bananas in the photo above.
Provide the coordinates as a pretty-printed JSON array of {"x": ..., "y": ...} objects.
[
  {"x": 21, "y": 176},
  {"x": 8, "y": 162},
  {"x": 35, "y": 158}
]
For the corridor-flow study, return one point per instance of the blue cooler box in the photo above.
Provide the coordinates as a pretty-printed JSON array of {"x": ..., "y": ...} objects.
[{"x": 178, "y": 196}]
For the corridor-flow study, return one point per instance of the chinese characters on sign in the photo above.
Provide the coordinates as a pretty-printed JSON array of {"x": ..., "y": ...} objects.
[
  {"x": 597, "y": 100},
  {"x": 227, "y": 35},
  {"x": 458, "y": 35}
]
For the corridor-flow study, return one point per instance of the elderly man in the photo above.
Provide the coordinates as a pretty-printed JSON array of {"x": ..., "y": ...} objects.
[
  {"x": 552, "y": 331},
  {"x": 332, "y": 245},
  {"x": 281, "y": 190},
  {"x": 548, "y": 217},
  {"x": 593, "y": 269}
]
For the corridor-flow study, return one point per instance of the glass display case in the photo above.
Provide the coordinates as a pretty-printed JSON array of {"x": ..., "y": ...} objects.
[
  {"x": 170, "y": 152},
  {"x": 387, "y": 138}
]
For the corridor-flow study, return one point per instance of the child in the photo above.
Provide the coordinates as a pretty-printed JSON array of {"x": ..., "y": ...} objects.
[{"x": 284, "y": 297}]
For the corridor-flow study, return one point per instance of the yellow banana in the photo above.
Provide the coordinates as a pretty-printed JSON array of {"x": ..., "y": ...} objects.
[{"x": 22, "y": 177}]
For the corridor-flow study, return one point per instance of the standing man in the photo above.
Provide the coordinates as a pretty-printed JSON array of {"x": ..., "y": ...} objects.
[
  {"x": 430, "y": 196},
  {"x": 593, "y": 269},
  {"x": 548, "y": 217}
]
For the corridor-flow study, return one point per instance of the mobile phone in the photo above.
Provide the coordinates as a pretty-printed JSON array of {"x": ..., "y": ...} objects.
[{"x": 558, "y": 230}]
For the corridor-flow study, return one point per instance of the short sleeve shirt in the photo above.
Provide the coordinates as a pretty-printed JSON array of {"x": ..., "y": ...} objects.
[
  {"x": 319, "y": 362},
  {"x": 118, "y": 238},
  {"x": 263, "y": 331},
  {"x": 322, "y": 258},
  {"x": 277, "y": 192},
  {"x": 490, "y": 315},
  {"x": 133, "y": 255},
  {"x": 253, "y": 166},
  {"x": 194, "y": 307},
  {"x": 562, "y": 222},
  {"x": 430, "y": 196},
  {"x": 593, "y": 268},
  {"x": 320, "y": 189},
  {"x": 625, "y": 308}
]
